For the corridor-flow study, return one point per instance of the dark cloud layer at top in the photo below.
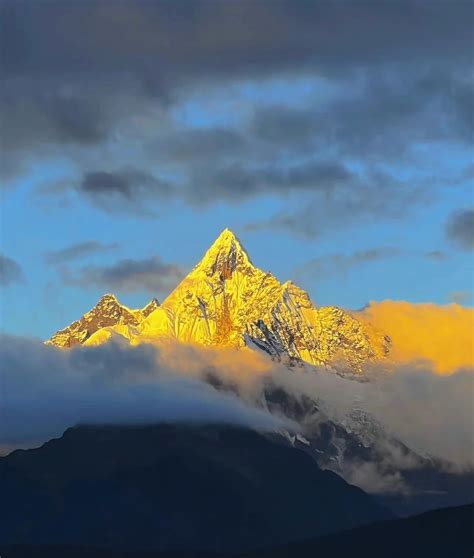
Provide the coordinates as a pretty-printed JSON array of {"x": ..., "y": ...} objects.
[
  {"x": 97, "y": 83},
  {"x": 10, "y": 271},
  {"x": 208, "y": 36},
  {"x": 61, "y": 60}
]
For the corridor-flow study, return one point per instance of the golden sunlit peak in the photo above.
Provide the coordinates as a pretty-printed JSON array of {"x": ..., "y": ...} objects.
[
  {"x": 226, "y": 237},
  {"x": 225, "y": 255}
]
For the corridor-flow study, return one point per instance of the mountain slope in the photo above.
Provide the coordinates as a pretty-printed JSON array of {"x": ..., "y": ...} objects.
[
  {"x": 173, "y": 486},
  {"x": 107, "y": 312},
  {"x": 227, "y": 301}
]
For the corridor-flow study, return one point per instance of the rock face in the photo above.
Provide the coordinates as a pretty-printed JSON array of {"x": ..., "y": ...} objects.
[
  {"x": 107, "y": 312},
  {"x": 227, "y": 301}
]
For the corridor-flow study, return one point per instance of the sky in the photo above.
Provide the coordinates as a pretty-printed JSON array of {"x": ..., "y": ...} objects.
[{"x": 334, "y": 138}]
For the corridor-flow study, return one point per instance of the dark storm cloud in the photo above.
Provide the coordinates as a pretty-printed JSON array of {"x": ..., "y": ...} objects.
[
  {"x": 460, "y": 228},
  {"x": 127, "y": 275},
  {"x": 127, "y": 190},
  {"x": 78, "y": 251},
  {"x": 10, "y": 271}
]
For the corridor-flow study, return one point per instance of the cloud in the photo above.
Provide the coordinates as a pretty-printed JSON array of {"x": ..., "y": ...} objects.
[
  {"x": 143, "y": 62},
  {"x": 436, "y": 255},
  {"x": 197, "y": 145},
  {"x": 384, "y": 115},
  {"x": 239, "y": 182},
  {"x": 429, "y": 413},
  {"x": 45, "y": 390},
  {"x": 127, "y": 275},
  {"x": 461, "y": 297},
  {"x": 78, "y": 251},
  {"x": 331, "y": 264},
  {"x": 441, "y": 335},
  {"x": 128, "y": 190},
  {"x": 460, "y": 228},
  {"x": 10, "y": 271},
  {"x": 357, "y": 198}
]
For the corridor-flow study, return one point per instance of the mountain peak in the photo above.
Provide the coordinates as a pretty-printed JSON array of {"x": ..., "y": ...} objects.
[
  {"x": 107, "y": 298},
  {"x": 227, "y": 239},
  {"x": 225, "y": 256},
  {"x": 226, "y": 301}
]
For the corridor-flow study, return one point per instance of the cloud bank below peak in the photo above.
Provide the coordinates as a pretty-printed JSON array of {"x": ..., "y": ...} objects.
[
  {"x": 46, "y": 390},
  {"x": 439, "y": 335}
]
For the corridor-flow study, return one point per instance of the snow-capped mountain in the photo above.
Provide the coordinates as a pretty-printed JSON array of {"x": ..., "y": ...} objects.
[
  {"x": 108, "y": 312},
  {"x": 227, "y": 301}
]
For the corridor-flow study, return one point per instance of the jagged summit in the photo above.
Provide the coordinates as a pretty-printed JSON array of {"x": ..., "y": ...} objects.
[
  {"x": 226, "y": 301},
  {"x": 224, "y": 256}
]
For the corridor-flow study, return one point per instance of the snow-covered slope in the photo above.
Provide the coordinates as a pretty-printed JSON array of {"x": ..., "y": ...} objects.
[{"x": 227, "y": 301}]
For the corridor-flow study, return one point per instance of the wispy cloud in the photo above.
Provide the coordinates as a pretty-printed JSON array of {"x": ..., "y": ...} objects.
[
  {"x": 78, "y": 251},
  {"x": 152, "y": 275},
  {"x": 460, "y": 228},
  {"x": 330, "y": 264},
  {"x": 10, "y": 271},
  {"x": 126, "y": 190}
]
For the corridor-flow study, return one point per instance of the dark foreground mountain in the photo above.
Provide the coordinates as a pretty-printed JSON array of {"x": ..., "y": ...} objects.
[
  {"x": 440, "y": 533},
  {"x": 435, "y": 534},
  {"x": 173, "y": 487}
]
